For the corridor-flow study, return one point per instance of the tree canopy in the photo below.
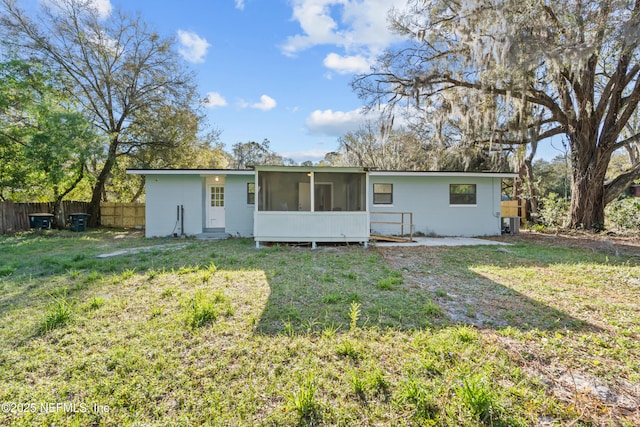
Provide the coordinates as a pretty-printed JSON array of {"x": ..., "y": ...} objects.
[
  {"x": 506, "y": 73},
  {"x": 45, "y": 142},
  {"x": 246, "y": 154},
  {"x": 118, "y": 70}
]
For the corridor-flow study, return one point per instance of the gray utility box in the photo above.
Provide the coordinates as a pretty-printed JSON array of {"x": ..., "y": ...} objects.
[{"x": 510, "y": 224}]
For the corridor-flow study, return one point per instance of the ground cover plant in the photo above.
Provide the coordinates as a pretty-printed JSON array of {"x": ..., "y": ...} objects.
[{"x": 184, "y": 332}]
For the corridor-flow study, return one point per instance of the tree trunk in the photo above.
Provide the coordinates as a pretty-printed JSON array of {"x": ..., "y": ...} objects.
[
  {"x": 587, "y": 203},
  {"x": 139, "y": 192},
  {"x": 533, "y": 194},
  {"x": 617, "y": 186},
  {"x": 58, "y": 215},
  {"x": 96, "y": 196},
  {"x": 588, "y": 168}
]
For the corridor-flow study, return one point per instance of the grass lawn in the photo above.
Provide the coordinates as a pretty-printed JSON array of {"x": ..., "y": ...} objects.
[{"x": 184, "y": 332}]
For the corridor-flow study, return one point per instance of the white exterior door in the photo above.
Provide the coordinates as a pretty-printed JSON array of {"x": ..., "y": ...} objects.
[{"x": 215, "y": 211}]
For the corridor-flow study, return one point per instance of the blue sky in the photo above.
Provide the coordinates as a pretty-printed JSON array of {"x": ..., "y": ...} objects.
[
  {"x": 278, "y": 69},
  {"x": 275, "y": 69}
]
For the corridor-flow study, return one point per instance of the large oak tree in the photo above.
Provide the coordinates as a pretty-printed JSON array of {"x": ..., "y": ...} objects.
[
  {"x": 518, "y": 72},
  {"x": 118, "y": 69}
]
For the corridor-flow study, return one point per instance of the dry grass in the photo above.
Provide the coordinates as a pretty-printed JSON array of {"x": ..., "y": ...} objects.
[
  {"x": 564, "y": 307},
  {"x": 218, "y": 333}
]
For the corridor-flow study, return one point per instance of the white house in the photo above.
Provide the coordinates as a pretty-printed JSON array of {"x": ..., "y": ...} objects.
[{"x": 320, "y": 204}]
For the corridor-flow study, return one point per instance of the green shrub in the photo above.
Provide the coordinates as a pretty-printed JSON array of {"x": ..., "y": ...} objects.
[
  {"x": 554, "y": 211},
  {"x": 624, "y": 214}
]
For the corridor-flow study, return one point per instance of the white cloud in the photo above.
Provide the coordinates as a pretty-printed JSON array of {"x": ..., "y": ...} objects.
[
  {"x": 336, "y": 123},
  {"x": 214, "y": 99},
  {"x": 194, "y": 48},
  {"x": 355, "y": 25},
  {"x": 301, "y": 156},
  {"x": 240, "y": 4},
  {"x": 103, "y": 7},
  {"x": 346, "y": 64},
  {"x": 266, "y": 103}
]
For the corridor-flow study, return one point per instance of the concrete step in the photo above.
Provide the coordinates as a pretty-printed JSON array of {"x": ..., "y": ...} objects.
[{"x": 212, "y": 235}]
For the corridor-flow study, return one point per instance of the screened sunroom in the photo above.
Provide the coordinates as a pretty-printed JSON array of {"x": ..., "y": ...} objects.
[{"x": 300, "y": 204}]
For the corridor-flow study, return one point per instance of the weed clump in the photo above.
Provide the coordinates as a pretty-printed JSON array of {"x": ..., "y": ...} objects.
[
  {"x": 303, "y": 401},
  {"x": 203, "y": 309},
  {"x": 58, "y": 315}
]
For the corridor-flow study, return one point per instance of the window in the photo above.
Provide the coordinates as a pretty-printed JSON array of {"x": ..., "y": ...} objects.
[
  {"x": 462, "y": 194},
  {"x": 251, "y": 193},
  {"x": 382, "y": 194},
  {"x": 217, "y": 196}
]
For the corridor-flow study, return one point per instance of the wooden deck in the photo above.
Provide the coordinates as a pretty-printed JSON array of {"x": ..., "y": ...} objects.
[{"x": 397, "y": 239}]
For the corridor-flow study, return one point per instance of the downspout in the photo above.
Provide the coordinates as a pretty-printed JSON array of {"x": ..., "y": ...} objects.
[{"x": 181, "y": 220}]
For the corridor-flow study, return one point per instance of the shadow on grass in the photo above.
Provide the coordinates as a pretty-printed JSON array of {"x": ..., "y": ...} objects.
[
  {"x": 320, "y": 291},
  {"x": 398, "y": 288},
  {"x": 39, "y": 268}
]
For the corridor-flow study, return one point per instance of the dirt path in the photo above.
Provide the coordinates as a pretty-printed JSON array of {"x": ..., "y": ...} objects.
[{"x": 469, "y": 298}]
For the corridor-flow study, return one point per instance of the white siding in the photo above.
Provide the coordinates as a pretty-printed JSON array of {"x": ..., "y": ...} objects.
[
  {"x": 312, "y": 226},
  {"x": 238, "y": 213},
  {"x": 428, "y": 198},
  {"x": 164, "y": 193}
]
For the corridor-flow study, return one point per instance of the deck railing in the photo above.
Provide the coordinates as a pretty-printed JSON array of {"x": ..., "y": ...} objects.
[{"x": 402, "y": 222}]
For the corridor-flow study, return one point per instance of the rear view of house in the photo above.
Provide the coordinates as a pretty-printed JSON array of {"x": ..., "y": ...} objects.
[{"x": 320, "y": 204}]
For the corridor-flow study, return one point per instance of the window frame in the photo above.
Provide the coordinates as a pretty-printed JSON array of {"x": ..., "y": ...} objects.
[
  {"x": 458, "y": 198},
  {"x": 380, "y": 193},
  {"x": 251, "y": 193},
  {"x": 216, "y": 198}
]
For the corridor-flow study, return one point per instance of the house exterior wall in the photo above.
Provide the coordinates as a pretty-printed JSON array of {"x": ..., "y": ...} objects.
[
  {"x": 427, "y": 197},
  {"x": 163, "y": 194},
  {"x": 238, "y": 213}
]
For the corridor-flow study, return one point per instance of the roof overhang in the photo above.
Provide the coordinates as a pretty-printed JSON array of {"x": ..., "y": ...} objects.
[
  {"x": 328, "y": 169},
  {"x": 199, "y": 172},
  {"x": 446, "y": 174}
]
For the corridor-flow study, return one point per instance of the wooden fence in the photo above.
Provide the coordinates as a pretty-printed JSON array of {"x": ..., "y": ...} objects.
[
  {"x": 122, "y": 215},
  {"x": 15, "y": 216},
  {"x": 513, "y": 208}
]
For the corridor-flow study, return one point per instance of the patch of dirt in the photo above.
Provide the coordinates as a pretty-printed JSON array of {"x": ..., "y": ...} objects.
[
  {"x": 489, "y": 306},
  {"x": 467, "y": 298},
  {"x": 609, "y": 243},
  {"x": 128, "y": 251},
  {"x": 607, "y": 402}
]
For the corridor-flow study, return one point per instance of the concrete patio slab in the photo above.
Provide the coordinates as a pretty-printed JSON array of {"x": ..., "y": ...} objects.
[{"x": 441, "y": 241}]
